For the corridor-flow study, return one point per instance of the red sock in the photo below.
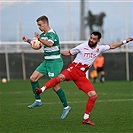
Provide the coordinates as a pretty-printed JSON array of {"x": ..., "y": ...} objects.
[
  {"x": 52, "y": 82},
  {"x": 90, "y": 103}
]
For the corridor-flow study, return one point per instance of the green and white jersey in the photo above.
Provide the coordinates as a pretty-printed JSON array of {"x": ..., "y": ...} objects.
[{"x": 54, "y": 51}]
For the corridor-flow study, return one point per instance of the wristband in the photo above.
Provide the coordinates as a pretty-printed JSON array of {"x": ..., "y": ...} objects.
[
  {"x": 124, "y": 42},
  {"x": 29, "y": 40}
]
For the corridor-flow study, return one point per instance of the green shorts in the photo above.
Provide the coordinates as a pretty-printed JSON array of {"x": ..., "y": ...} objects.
[{"x": 50, "y": 68}]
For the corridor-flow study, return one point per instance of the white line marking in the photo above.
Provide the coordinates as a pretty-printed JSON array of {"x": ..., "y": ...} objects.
[{"x": 75, "y": 102}]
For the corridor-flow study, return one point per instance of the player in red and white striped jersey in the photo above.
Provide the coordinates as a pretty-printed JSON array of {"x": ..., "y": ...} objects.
[{"x": 86, "y": 53}]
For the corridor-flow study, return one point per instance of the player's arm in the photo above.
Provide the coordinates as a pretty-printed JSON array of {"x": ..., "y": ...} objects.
[
  {"x": 44, "y": 42},
  {"x": 72, "y": 51},
  {"x": 25, "y": 39},
  {"x": 118, "y": 44},
  {"x": 66, "y": 53}
]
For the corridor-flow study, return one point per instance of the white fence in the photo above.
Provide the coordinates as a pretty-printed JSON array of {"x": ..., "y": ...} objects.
[
  {"x": 21, "y": 47},
  {"x": 18, "y": 47}
]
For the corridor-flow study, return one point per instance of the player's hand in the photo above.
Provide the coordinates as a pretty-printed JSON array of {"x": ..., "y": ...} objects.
[
  {"x": 37, "y": 35},
  {"x": 129, "y": 39},
  {"x": 24, "y": 38}
]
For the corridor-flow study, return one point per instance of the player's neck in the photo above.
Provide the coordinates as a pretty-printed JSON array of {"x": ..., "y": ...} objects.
[
  {"x": 47, "y": 29},
  {"x": 92, "y": 46}
]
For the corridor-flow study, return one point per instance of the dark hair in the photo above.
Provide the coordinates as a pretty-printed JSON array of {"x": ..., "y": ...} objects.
[
  {"x": 96, "y": 33},
  {"x": 43, "y": 18}
]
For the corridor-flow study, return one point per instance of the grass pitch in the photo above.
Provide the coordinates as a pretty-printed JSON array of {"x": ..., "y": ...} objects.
[{"x": 112, "y": 112}]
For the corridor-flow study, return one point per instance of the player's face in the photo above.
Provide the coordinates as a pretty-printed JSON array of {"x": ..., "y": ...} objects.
[
  {"x": 41, "y": 25},
  {"x": 93, "y": 40}
]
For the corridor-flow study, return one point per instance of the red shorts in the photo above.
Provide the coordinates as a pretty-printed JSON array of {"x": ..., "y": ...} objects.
[{"x": 79, "y": 78}]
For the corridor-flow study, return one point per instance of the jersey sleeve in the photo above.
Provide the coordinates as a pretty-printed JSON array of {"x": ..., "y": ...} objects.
[
  {"x": 105, "y": 48},
  {"x": 51, "y": 37},
  {"x": 75, "y": 50}
]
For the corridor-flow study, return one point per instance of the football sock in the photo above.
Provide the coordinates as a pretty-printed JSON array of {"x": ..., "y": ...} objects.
[
  {"x": 86, "y": 116},
  {"x": 35, "y": 85},
  {"x": 52, "y": 82},
  {"x": 43, "y": 88},
  {"x": 102, "y": 78},
  {"x": 66, "y": 107},
  {"x": 38, "y": 100},
  {"x": 90, "y": 103},
  {"x": 62, "y": 97}
]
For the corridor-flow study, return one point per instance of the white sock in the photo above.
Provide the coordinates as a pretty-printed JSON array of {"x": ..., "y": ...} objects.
[
  {"x": 43, "y": 88},
  {"x": 86, "y": 116},
  {"x": 66, "y": 107},
  {"x": 38, "y": 100}
]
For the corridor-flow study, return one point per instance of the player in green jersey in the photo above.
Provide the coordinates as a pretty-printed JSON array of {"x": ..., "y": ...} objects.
[{"x": 52, "y": 64}]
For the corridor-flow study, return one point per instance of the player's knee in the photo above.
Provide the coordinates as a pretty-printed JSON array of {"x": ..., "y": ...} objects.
[
  {"x": 32, "y": 79},
  {"x": 102, "y": 72},
  {"x": 57, "y": 79},
  {"x": 56, "y": 88},
  {"x": 61, "y": 77},
  {"x": 94, "y": 97}
]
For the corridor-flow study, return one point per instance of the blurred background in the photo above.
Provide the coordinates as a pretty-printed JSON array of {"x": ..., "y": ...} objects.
[{"x": 73, "y": 20}]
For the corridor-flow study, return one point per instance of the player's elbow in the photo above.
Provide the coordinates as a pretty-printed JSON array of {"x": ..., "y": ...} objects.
[
  {"x": 112, "y": 46},
  {"x": 50, "y": 44}
]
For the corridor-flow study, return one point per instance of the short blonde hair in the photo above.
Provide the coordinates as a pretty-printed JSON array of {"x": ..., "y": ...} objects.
[{"x": 43, "y": 18}]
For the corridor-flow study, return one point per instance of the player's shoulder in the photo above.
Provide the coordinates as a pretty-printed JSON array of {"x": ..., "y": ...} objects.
[
  {"x": 81, "y": 45},
  {"x": 84, "y": 43},
  {"x": 52, "y": 31},
  {"x": 102, "y": 45}
]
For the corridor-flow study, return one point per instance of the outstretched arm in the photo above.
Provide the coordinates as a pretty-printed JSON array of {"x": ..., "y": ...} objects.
[{"x": 118, "y": 44}]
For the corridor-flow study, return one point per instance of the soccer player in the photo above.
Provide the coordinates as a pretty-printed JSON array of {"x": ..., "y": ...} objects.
[
  {"x": 86, "y": 53},
  {"x": 99, "y": 67},
  {"x": 52, "y": 64}
]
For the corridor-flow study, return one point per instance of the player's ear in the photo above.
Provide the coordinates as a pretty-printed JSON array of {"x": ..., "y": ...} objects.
[{"x": 98, "y": 41}]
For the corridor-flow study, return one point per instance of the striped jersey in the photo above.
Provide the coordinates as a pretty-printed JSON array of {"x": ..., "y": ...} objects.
[{"x": 54, "y": 51}]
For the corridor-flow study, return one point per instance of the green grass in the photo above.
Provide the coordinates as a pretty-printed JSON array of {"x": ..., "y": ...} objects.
[{"x": 112, "y": 112}]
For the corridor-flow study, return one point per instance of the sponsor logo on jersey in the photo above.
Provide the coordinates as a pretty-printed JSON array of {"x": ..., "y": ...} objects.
[
  {"x": 97, "y": 50},
  {"x": 51, "y": 74},
  {"x": 86, "y": 48},
  {"x": 89, "y": 55}
]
